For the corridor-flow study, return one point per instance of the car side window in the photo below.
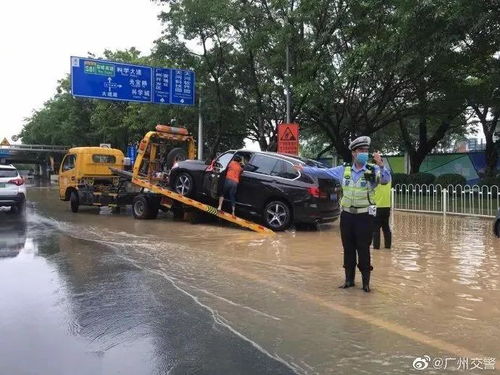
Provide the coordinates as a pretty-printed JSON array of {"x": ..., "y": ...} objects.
[
  {"x": 69, "y": 163},
  {"x": 285, "y": 170},
  {"x": 261, "y": 164},
  {"x": 222, "y": 162}
]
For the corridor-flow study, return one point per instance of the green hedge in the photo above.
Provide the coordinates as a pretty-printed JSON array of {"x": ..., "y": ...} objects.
[
  {"x": 490, "y": 181},
  {"x": 421, "y": 178},
  {"x": 400, "y": 179},
  {"x": 450, "y": 179}
]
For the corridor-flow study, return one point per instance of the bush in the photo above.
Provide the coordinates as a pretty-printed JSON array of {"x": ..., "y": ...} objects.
[
  {"x": 400, "y": 179},
  {"x": 421, "y": 178},
  {"x": 450, "y": 179},
  {"x": 490, "y": 181}
]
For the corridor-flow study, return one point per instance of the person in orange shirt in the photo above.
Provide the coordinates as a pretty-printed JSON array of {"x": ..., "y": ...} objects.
[{"x": 233, "y": 173}]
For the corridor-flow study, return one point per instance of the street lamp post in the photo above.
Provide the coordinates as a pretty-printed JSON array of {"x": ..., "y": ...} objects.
[
  {"x": 200, "y": 128},
  {"x": 288, "y": 99}
]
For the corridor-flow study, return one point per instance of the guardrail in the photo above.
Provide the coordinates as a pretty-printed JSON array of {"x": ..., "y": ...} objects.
[{"x": 481, "y": 201}]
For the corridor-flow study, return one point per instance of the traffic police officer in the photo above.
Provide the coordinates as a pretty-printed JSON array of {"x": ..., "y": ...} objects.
[{"x": 358, "y": 181}]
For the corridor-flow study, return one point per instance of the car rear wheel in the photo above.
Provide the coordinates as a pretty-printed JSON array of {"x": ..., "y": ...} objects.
[
  {"x": 21, "y": 207},
  {"x": 74, "y": 201},
  {"x": 277, "y": 215},
  {"x": 183, "y": 184},
  {"x": 18, "y": 209}
]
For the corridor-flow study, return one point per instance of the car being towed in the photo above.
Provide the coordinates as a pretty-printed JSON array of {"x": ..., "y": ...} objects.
[{"x": 269, "y": 189}]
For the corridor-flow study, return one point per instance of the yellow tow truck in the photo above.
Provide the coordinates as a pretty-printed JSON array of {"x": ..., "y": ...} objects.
[{"x": 96, "y": 176}]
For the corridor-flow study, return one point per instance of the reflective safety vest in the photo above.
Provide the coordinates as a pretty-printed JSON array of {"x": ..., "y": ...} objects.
[
  {"x": 359, "y": 194},
  {"x": 383, "y": 195}
]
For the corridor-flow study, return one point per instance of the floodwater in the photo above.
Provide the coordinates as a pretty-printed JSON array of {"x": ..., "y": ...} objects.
[{"x": 102, "y": 293}]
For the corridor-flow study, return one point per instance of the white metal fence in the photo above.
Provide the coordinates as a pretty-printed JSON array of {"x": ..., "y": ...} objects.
[{"x": 482, "y": 201}]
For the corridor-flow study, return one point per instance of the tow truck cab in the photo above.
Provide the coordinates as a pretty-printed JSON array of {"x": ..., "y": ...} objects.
[{"x": 85, "y": 169}]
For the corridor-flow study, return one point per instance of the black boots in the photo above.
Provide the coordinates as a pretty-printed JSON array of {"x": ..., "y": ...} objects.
[
  {"x": 349, "y": 278},
  {"x": 388, "y": 240},
  {"x": 376, "y": 240},
  {"x": 366, "y": 281}
]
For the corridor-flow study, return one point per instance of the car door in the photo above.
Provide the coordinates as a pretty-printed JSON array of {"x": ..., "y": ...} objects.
[
  {"x": 214, "y": 172},
  {"x": 67, "y": 174},
  {"x": 256, "y": 181}
]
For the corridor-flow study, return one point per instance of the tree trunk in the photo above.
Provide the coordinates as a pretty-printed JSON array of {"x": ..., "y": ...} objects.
[
  {"x": 416, "y": 160},
  {"x": 489, "y": 128},
  {"x": 343, "y": 151},
  {"x": 490, "y": 155}
]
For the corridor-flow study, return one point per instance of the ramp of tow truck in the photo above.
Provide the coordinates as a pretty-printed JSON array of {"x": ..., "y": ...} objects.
[{"x": 201, "y": 206}]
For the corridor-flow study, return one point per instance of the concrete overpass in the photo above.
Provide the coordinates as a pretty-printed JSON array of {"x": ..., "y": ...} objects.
[{"x": 33, "y": 154}]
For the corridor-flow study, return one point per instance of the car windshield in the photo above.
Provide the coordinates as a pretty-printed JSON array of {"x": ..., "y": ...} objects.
[{"x": 8, "y": 172}]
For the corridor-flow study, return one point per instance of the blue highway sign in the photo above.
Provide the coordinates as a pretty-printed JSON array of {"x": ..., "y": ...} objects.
[
  {"x": 101, "y": 79},
  {"x": 162, "y": 89},
  {"x": 182, "y": 87}
]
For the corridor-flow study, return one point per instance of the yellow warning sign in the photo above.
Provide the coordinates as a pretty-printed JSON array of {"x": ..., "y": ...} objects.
[{"x": 5, "y": 142}]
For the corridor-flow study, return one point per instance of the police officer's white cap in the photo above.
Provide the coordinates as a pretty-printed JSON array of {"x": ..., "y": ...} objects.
[{"x": 360, "y": 142}]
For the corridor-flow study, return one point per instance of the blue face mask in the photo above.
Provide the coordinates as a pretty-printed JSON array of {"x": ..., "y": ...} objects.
[{"x": 362, "y": 157}]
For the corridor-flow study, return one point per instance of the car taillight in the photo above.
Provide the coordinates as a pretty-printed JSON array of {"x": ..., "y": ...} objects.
[
  {"x": 314, "y": 191},
  {"x": 17, "y": 181}
]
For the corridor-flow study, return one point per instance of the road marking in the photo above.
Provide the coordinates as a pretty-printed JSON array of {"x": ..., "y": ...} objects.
[{"x": 389, "y": 326}]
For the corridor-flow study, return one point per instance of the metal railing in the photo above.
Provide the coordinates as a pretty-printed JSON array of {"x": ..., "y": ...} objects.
[{"x": 481, "y": 201}]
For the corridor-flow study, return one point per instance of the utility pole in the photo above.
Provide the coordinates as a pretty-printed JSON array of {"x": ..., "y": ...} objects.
[
  {"x": 200, "y": 128},
  {"x": 288, "y": 99}
]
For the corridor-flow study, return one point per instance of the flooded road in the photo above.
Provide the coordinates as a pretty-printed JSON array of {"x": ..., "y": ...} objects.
[{"x": 102, "y": 293}]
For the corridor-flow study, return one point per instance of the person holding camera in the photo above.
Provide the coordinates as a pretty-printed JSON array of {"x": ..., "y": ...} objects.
[{"x": 358, "y": 180}]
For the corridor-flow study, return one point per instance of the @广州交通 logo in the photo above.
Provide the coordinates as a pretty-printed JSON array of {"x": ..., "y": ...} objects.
[{"x": 421, "y": 363}]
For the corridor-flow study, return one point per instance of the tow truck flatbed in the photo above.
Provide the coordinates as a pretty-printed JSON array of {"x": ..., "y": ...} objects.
[
  {"x": 144, "y": 175},
  {"x": 154, "y": 188}
]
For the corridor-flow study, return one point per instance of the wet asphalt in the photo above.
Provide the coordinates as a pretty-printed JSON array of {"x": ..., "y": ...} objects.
[{"x": 102, "y": 293}]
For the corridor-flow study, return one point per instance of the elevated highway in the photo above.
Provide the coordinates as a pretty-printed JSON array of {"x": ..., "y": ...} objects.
[{"x": 45, "y": 156}]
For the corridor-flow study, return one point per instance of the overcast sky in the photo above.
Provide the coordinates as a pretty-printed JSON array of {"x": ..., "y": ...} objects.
[{"x": 38, "y": 37}]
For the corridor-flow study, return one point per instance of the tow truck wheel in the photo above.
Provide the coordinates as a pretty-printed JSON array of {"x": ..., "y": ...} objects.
[
  {"x": 184, "y": 184},
  {"x": 141, "y": 208},
  {"x": 154, "y": 207},
  {"x": 74, "y": 201},
  {"x": 178, "y": 211}
]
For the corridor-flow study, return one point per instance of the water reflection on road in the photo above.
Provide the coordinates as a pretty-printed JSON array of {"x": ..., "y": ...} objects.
[{"x": 154, "y": 296}]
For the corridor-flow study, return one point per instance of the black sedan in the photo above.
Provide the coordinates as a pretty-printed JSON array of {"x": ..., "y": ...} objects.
[{"x": 270, "y": 188}]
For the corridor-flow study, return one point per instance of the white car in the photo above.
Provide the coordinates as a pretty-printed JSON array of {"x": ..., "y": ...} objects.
[{"x": 12, "y": 189}]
